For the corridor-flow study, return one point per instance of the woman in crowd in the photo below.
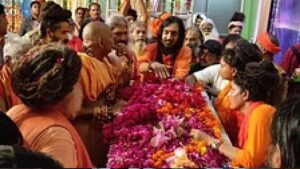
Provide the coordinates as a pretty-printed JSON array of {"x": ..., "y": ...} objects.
[
  {"x": 233, "y": 61},
  {"x": 248, "y": 95},
  {"x": 46, "y": 82},
  {"x": 284, "y": 151}
]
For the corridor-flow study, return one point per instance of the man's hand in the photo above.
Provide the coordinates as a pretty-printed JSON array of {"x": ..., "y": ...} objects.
[
  {"x": 296, "y": 73},
  {"x": 160, "y": 70},
  {"x": 122, "y": 50},
  {"x": 199, "y": 135}
]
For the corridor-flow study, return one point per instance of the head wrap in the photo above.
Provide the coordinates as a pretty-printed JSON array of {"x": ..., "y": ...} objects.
[
  {"x": 237, "y": 19},
  {"x": 214, "y": 34},
  {"x": 236, "y": 23},
  {"x": 265, "y": 41},
  {"x": 156, "y": 23}
]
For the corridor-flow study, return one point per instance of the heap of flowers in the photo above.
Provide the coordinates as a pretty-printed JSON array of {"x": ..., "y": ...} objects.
[{"x": 153, "y": 130}]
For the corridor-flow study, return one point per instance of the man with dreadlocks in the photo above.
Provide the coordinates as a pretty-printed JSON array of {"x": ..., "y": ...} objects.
[
  {"x": 46, "y": 81},
  {"x": 168, "y": 57},
  {"x": 55, "y": 25}
]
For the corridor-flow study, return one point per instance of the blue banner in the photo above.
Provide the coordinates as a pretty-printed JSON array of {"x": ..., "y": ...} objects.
[
  {"x": 25, "y": 6},
  {"x": 285, "y": 24}
]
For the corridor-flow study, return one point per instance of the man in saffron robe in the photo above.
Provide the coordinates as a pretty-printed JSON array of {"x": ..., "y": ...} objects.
[
  {"x": 168, "y": 58},
  {"x": 100, "y": 75}
]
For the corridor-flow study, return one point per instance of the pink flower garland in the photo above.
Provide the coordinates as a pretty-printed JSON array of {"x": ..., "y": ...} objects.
[{"x": 140, "y": 130}]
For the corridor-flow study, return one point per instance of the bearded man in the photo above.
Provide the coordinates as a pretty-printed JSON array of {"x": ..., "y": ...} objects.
[
  {"x": 137, "y": 37},
  {"x": 168, "y": 58}
]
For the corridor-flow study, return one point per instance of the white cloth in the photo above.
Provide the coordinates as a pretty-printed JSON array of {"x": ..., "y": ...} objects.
[
  {"x": 211, "y": 75},
  {"x": 214, "y": 34},
  {"x": 16, "y": 46}
]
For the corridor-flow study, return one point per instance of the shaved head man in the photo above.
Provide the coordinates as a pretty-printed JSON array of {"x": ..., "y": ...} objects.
[{"x": 97, "y": 40}]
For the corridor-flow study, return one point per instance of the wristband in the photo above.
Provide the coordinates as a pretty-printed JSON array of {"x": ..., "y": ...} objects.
[{"x": 216, "y": 145}]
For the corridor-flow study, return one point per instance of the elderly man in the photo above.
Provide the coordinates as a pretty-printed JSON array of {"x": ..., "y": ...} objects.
[
  {"x": 97, "y": 43},
  {"x": 137, "y": 37},
  {"x": 194, "y": 39},
  {"x": 168, "y": 58},
  {"x": 119, "y": 28},
  {"x": 100, "y": 76}
]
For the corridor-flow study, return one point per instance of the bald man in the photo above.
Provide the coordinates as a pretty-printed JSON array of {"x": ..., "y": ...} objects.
[
  {"x": 98, "y": 43},
  {"x": 100, "y": 76},
  {"x": 97, "y": 40}
]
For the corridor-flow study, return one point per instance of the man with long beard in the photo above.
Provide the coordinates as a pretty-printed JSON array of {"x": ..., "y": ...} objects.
[
  {"x": 194, "y": 39},
  {"x": 137, "y": 37},
  {"x": 168, "y": 58}
]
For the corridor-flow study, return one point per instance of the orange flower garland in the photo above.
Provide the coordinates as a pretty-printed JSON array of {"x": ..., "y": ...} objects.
[
  {"x": 204, "y": 115},
  {"x": 159, "y": 157}
]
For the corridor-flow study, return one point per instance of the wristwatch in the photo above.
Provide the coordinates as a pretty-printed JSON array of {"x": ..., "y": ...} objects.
[{"x": 216, "y": 145}]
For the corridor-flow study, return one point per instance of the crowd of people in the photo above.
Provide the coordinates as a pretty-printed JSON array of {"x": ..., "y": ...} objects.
[{"x": 61, "y": 79}]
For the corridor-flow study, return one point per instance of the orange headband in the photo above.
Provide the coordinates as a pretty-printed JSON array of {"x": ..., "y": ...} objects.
[
  {"x": 156, "y": 23},
  {"x": 266, "y": 43}
]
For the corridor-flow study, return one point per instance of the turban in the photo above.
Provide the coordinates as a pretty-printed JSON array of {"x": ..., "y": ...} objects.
[{"x": 265, "y": 41}]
